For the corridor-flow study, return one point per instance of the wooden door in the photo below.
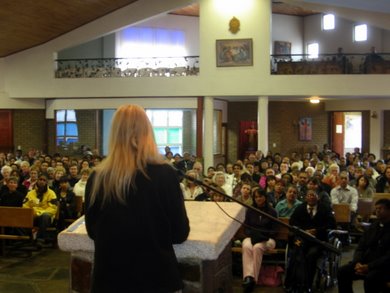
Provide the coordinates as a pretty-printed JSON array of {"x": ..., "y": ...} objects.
[
  {"x": 6, "y": 131},
  {"x": 337, "y": 133}
]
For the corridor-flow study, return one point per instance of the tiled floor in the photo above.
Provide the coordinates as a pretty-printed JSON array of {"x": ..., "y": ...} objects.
[{"x": 47, "y": 271}]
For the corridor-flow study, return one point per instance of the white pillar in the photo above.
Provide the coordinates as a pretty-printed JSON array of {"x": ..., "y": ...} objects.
[
  {"x": 262, "y": 124},
  {"x": 376, "y": 132},
  {"x": 208, "y": 136}
]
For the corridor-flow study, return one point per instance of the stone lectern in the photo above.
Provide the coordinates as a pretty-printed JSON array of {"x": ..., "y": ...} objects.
[{"x": 204, "y": 258}]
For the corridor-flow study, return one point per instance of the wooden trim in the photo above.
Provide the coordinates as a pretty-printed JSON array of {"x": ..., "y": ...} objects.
[{"x": 199, "y": 127}]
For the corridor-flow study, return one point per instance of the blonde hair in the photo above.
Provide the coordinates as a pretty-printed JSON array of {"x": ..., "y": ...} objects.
[{"x": 131, "y": 148}]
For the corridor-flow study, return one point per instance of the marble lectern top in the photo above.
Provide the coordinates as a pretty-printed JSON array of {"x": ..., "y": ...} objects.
[{"x": 211, "y": 231}]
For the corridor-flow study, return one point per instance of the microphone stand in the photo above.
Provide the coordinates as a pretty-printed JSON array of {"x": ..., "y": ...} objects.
[{"x": 294, "y": 229}]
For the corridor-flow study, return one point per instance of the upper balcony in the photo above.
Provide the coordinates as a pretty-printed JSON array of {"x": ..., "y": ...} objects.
[
  {"x": 374, "y": 63},
  {"x": 127, "y": 67}
]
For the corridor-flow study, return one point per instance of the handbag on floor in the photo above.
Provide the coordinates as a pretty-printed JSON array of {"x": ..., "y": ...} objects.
[{"x": 270, "y": 275}]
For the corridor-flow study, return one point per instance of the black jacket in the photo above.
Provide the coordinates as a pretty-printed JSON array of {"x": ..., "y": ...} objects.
[
  {"x": 374, "y": 247},
  {"x": 133, "y": 242},
  {"x": 259, "y": 227},
  {"x": 11, "y": 199},
  {"x": 322, "y": 220},
  {"x": 380, "y": 186}
]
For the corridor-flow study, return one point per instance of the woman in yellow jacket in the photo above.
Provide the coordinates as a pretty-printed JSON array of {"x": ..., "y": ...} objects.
[{"x": 43, "y": 201}]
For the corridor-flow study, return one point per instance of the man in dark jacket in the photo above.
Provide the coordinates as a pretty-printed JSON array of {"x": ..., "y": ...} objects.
[
  {"x": 316, "y": 219},
  {"x": 371, "y": 261}
]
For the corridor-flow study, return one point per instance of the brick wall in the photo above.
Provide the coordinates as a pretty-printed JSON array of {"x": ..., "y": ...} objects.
[
  {"x": 87, "y": 134},
  {"x": 284, "y": 129},
  {"x": 283, "y": 125},
  {"x": 386, "y": 128},
  {"x": 29, "y": 129}
]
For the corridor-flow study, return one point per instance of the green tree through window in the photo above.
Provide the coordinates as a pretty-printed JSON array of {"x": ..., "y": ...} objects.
[{"x": 168, "y": 129}]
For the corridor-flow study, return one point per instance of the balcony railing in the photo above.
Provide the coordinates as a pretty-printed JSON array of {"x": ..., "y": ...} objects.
[
  {"x": 127, "y": 67},
  {"x": 331, "y": 64}
]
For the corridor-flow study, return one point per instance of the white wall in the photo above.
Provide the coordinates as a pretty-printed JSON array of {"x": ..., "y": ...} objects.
[
  {"x": 288, "y": 28},
  {"x": 30, "y": 74},
  {"x": 341, "y": 36},
  {"x": 189, "y": 25}
]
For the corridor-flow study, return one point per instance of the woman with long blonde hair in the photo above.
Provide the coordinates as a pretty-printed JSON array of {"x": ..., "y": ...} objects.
[{"x": 134, "y": 211}]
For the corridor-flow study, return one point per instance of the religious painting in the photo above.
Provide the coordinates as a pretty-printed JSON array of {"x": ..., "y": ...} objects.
[
  {"x": 234, "y": 52},
  {"x": 305, "y": 129},
  {"x": 282, "y": 50}
]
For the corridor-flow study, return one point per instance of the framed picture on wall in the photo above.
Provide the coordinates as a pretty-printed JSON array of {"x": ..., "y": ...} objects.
[
  {"x": 282, "y": 49},
  {"x": 305, "y": 129},
  {"x": 235, "y": 52}
]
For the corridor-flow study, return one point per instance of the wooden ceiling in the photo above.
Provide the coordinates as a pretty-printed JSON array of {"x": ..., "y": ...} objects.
[
  {"x": 28, "y": 23},
  {"x": 278, "y": 7}
]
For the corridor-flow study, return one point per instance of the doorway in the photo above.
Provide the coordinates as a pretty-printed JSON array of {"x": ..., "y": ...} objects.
[
  {"x": 347, "y": 131},
  {"x": 353, "y": 131}
]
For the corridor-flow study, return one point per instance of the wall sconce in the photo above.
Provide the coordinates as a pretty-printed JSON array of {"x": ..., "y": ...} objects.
[{"x": 374, "y": 115}]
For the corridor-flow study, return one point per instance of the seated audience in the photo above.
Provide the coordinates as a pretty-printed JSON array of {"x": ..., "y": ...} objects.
[
  {"x": 220, "y": 179},
  {"x": 189, "y": 188},
  {"x": 79, "y": 187},
  {"x": 245, "y": 178},
  {"x": 44, "y": 203},
  {"x": 33, "y": 179},
  {"x": 323, "y": 197},
  {"x": 383, "y": 185},
  {"x": 270, "y": 183},
  {"x": 246, "y": 194},
  {"x": 215, "y": 196},
  {"x": 343, "y": 193},
  {"x": 11, "y": 196},
  {"x": 263, "y": 179},
  {"x": 332, "y": 177},
  {"x": 277, "y": 194},
  {"x": 371, "y": 260},
  {"x": 58, "y": 173},
  {"x": 259, "y": 232},
  {"x": 302, "y": 185},
  {"x": 5, "y": 173},
  {"x": 73, "y": 174},
  {"x": 363, "y": 187},
  {"x": 286, "y": 207},
  {"x": 315, "y": 219},
  {"x": 67, "y": 203}
]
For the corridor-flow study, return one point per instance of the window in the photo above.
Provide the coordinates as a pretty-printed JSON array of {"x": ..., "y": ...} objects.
[
  {"x": 141, "y": 43},
  {"x": 168, "y": 129},
  {"x": 328, "y": 22},
  {"x": 312, "y": 50},
  {"x": 360, "y": 33},
  {"x": 67, "y": 131}
]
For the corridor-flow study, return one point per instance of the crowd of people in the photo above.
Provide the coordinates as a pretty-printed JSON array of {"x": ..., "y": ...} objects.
[
  {"x": 47, "y": 184},
  {"x": 301, "y": 187}
]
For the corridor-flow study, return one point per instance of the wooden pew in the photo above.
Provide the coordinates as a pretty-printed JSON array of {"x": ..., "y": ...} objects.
[
  {"x": 15, "y": 217},
  {"x": 378, "y": 195},
  {"x": 282, "y": 234}
]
